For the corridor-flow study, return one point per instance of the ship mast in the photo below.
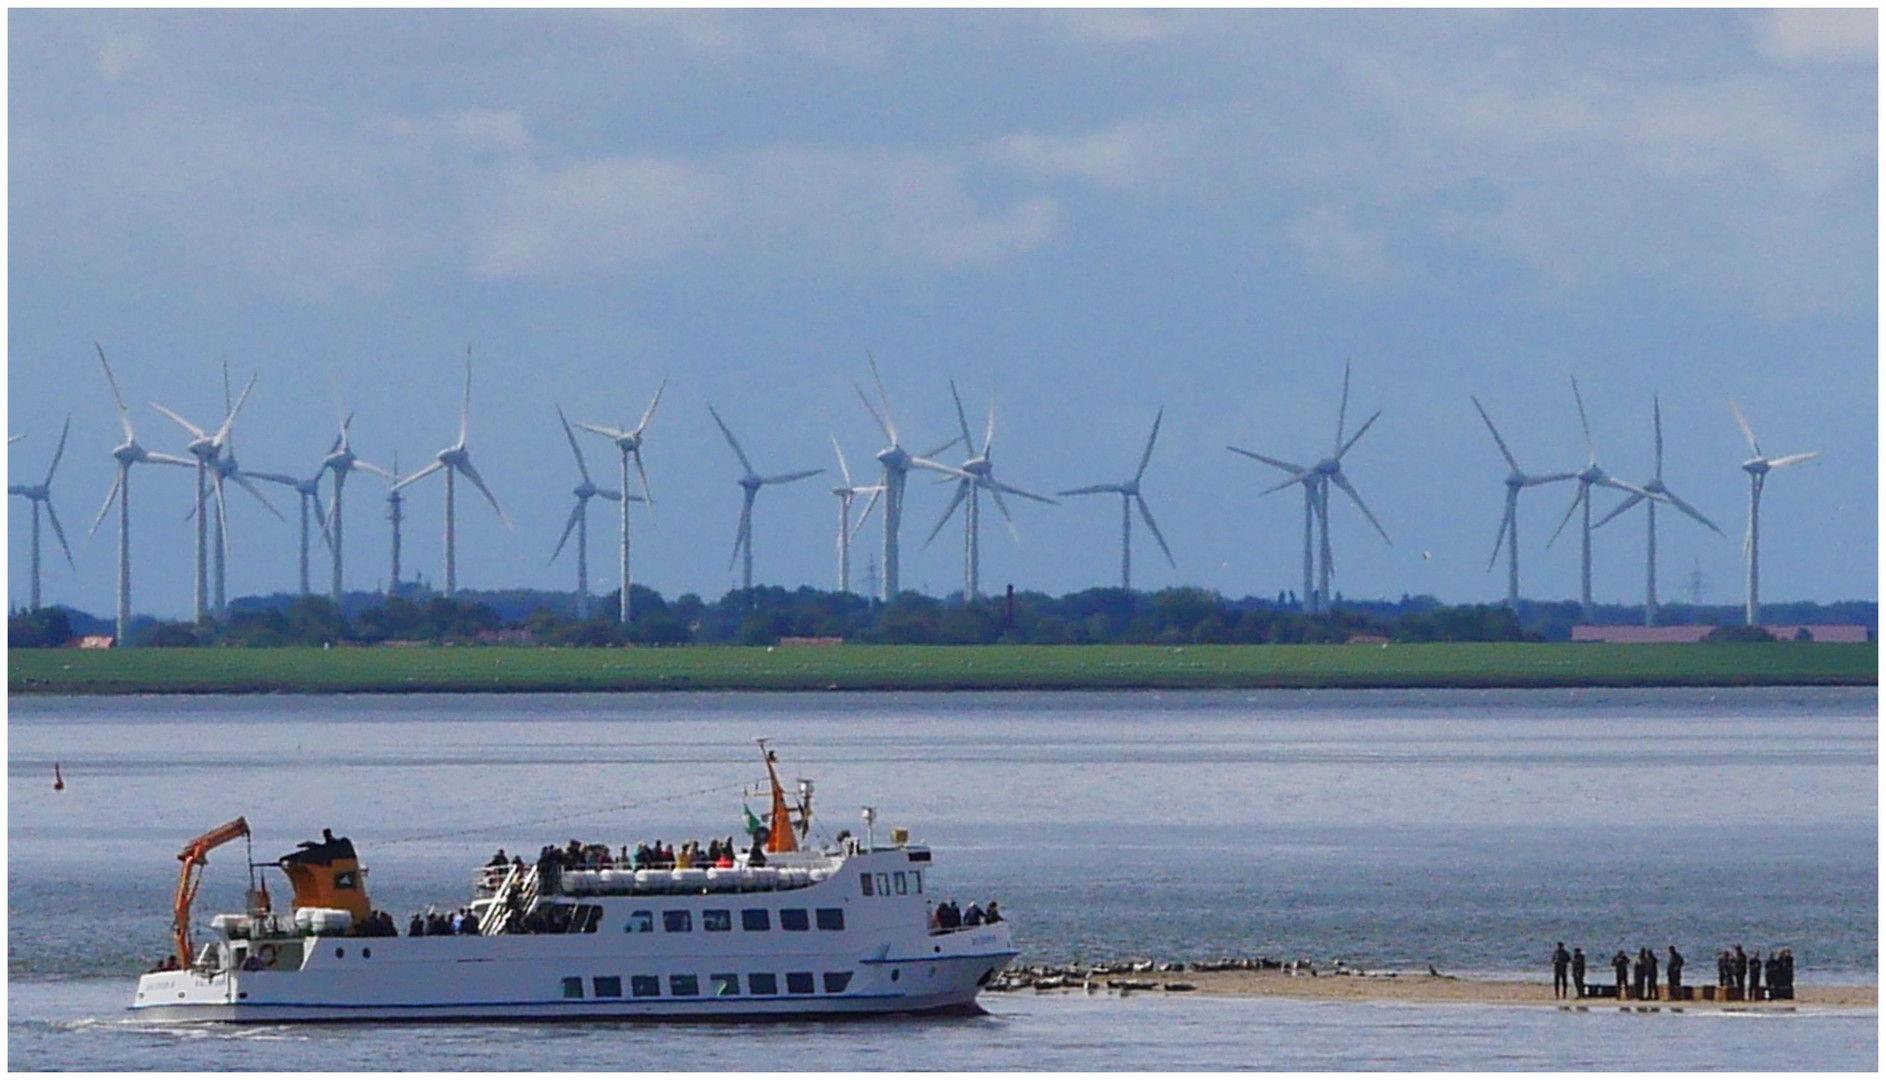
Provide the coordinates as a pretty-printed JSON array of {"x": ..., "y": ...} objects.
[{"x": 781, "y": 834}]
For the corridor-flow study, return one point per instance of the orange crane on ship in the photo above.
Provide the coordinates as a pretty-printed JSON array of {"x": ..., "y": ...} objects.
[{"x": 195, "y": 856}]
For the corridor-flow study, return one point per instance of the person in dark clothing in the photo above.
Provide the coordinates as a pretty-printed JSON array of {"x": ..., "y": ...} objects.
[
  {"x": 972, "y": 915},
  {"x": 1738, "y": 971},
  {"x": 1578, "y": 971},
  {"x": 417, "y": 928},
  {"x": 1754, "y": 976},
  {"x": 991, "y": 914},
  {"x": 1724, "y": 965},
  {"x": 1637, "y": 977},
  {"x": 1650, "y": 972},
  {"x": 1622, "y": 965},
  {"x": 1561, "y": 962},
  {"x": 1787, "y": 974},
  {"x": 1676, "y": 973}
]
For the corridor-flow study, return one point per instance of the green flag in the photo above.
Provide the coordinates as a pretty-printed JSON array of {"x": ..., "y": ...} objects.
[{"x": 752, "y": 823}]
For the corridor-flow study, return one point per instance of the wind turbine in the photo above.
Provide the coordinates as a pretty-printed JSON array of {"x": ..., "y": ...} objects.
[
  {"x": 206, "y": 448},
  {"x": 630, "y": 444},
  {"x": 1316, "y": 480},
  {"x": 1592, "y": 475},
  {"x": 226, "y": 470},
  {"x": 897, "y": 464},
  {"x": 308, "y": 495},
  {"x": 456, "y": 459},
  {"x": 579, "y": 520},
  {"x": 751, "y": 484},
  {"x": 846, "y": 492},
  {"x": 1758, "y": 467},
  {"x": 1654, "y": 492},
  {"x": 342, "y": 460},
  {"x": 973, "y": 477},
  {"x": 128, "y": 453},
  {"x": 1129, "y": 495},
  {"x": 35, "y": 494},
  {"x": 1516, "y": 481}
]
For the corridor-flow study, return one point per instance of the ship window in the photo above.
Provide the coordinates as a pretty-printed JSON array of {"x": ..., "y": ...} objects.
[
  {"x": 836, "y": 981},
  {"x": 725, "y": 985},
  {"x": 640, "y": 922},
  {"x": 677, "y": 922},
  {"x": 903, "y": 882},
  {"x": 798, "y": 982},
  {"x": 864, "y": 884},
  {"x": 793, "y": 919},
  {"x": 916, "y": 879},
  {"x": 684, "y": 985},
  {"x": 584, "y": 919},
  {"x": 645, "y": 985},
  {"x": 755, "y": 918},
  {"x": 831, "y": 918},
  {"x": 884, "y": 884},
  {"x": 716, "y": 919},
  {"x": 573, "y": 987},
  {"x": 762, "y": 983},
  {"x": 611, "y": 985}
]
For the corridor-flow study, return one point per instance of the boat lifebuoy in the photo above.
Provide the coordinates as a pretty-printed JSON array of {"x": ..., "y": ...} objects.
[{"x": 267, "y": 954}]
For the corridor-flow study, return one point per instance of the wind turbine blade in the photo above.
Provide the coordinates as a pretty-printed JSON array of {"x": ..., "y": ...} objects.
[
  {"x": 226, "y": 404},
  {"x": 1504, "y": 452},
  {"x": 222, "y": 433},
  {"x": 1146, "y": 513},
  {"x": 53, "y": 516},
  {"x": 368, "y": 466},
  {"x": 938, "y": 467},
  {"x": 243, "y": 481},
  {"x": 1678, "y": 502},
  {"x": 843, "y": 469},
  {"x": 60, "y": 452},
  {"x": 1549, "y": 478},
  {"x": 731, "y": 441},
  {"x": 1591, "y": 449},
  {"x": 1619, "y": 485},
  {"x": 649, "y": 413},
  {"x": 605, "y": 432},
  {"x": 875, "y": 415},
  {"x": 1583, "y": 493},
  {"x": 1747, "y": 432},
  {"x": 1295, "y": 470},
  {"x": 962, "y": 420},
  {"x": 110, "y": 497},
  {"x": 648, "y": 494},
  {"x": 581, "y": 465},
  {"x": 787, "y": 478},
  {"x": 569, "y": 526},
  {"x": 124, "y": 415},
  {"x": 1147, "y": 457},
  {"x": 1342, "y": 411},
  {"x": 953, "y": 441},
  {"x": 1793, "y": 459},
  {"x": 464, "y": 412},
  {"x": 187, "y": 425},
  {"x": 889, "y": 425},
  {"x": 1301, "y": 478},
  {"x": 1618, "y": 509},
  {"x": 876, "y": 493},
  {"x": 998, "y": 487},
  {"x": 988, "y": 432},
  {"x": 327, "y": 538},
  {"x": 1095, "y": 489},
  {"x": 471, "y": 473},
  {"x": 273, "y": 478},
  {"x": 962, "y": 490},
  {"x": 1007, "y": 518},
  {"x": 1348, "y": 489},
  {"x": 427, "y": 471},
  {"x": 1656, "y": 419},
  {"x": 1357, "y": 437},
  {"x": 222, "y": 509},
  {"x": 1506, "y": 522},
  {"x": 616, "y": 496},
  {"x": 168, "y": 459},
  {"x": 745, "y": 530}
]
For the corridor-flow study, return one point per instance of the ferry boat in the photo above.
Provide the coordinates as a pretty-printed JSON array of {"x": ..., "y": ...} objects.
[{"x": 790, "y": 929}]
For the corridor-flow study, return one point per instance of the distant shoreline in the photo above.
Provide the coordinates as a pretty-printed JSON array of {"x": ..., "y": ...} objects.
[{"x": 529, "y": 669}]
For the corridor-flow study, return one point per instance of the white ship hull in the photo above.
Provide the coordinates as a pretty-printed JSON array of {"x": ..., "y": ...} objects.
[{"x": 825, "y": 949}]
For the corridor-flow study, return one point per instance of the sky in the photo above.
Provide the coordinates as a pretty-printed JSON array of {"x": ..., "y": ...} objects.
[{"x": 1091, "y": 215}]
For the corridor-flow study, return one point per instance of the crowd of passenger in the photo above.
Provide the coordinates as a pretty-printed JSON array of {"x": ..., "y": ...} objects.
[
  {"x": 949, "y": 916},
  {"x": 439, "y": 924},
  {"x": 1740, "y": 976}
]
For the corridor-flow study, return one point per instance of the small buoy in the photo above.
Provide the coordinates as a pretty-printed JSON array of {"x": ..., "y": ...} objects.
[{"x": 58, "y": 780}]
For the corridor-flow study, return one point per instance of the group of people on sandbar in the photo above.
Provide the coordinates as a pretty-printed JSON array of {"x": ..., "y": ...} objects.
[{"x": 1741, "y": 976}]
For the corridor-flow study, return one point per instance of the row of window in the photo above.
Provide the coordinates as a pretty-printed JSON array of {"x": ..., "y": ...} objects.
[
  {"x": 901, "y": 882},
  {"x": 720, "y": 920},
  {"x": 758, "y": 984}
]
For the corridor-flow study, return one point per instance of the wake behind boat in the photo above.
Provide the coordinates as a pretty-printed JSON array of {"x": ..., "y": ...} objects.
[{"x": 780, "y": 929}]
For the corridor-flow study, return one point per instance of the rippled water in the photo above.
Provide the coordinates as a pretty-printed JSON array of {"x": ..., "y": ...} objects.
[{"x": 1467, "y": 830}]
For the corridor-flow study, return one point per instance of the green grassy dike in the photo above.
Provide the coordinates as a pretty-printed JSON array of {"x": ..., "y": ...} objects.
[{"x": 941, "y": 667}]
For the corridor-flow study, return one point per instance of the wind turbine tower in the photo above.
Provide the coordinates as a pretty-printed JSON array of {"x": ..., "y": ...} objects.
[
  {"x": 308, "y": 495},
  {"x": 1592, "y": 475},
  {"x": 751, "y": 483},
  {"x": 1758, "y": 467},
  {"x": 394, "y": 514},
  {"x": 629, "y": 443},
  {"x": 1516, "y": 481},
  {"x": 127, "y": 453},
  {"x": 846, "y": 492},
  {"x": 35, "y": 494},
  {"x": 206, "y": 448},
  {"x": 342, "y": 460},
  {"x": 975, "y": 476},
  {"x": 456, "y": 459},
  {"x": 897, "y": 464},
  {"x": 1655, "y": 491},
  {"x": 1129, "y": 495},
  {"x": 579, "y": 520}
]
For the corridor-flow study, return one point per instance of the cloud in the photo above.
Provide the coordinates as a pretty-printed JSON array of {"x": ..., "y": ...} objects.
[
  {"x": 1114, "y": 26},
  {"x": 1115, "y": 157},
  {"x": 1807, "y": 35},
  {"x": 607, "y": 213}
]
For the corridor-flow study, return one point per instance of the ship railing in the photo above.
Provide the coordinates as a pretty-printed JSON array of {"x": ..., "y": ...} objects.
[{"x": 517, "y": 891}]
